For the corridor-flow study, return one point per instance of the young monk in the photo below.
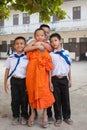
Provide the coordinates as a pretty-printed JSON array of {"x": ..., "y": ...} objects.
[{"x": 38, "y": 79}]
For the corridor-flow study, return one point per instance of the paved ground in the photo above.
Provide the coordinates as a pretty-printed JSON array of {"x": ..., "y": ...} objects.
[{"x": 78, "y": 96}]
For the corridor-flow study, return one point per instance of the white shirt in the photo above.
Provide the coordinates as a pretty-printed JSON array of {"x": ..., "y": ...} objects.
[
  {"x": 21, "y": 68},
  {"x": 31, "y": 40},
  {"x": 60, "y": 67}
]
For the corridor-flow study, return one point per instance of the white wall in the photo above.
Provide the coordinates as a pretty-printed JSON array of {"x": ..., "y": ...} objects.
[{"x": 68, "y": 28}]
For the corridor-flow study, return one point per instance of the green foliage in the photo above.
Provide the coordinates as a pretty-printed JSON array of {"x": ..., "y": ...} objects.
[
  {"x": 46, "y": 8},
  {"x": 4, "y": 9}
]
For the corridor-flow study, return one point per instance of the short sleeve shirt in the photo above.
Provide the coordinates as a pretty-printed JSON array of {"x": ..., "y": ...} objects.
[
  {"x": 21, "y": 68},
  {"x": 60, "y": 67}
]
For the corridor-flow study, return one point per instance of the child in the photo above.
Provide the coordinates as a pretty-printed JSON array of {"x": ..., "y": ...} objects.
[
  {"x": 46, "y": 28},
  {"x": 61, "y": 79},
  {"x": 38, "y": 78},
  {"x": 16, "y": 69}
]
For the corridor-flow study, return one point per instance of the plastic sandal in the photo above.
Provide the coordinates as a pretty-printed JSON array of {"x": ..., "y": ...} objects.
[{"x": 30, "y": 123}]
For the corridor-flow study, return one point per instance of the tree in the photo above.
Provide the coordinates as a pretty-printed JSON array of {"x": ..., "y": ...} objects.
[{"x": 46, "y": 8}]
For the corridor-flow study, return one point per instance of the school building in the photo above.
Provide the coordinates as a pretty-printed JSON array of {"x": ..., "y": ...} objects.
[{"x": 73, "y": 28}]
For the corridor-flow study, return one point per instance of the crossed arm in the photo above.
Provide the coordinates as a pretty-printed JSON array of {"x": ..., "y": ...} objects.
[{"x": 37, "y": 45}]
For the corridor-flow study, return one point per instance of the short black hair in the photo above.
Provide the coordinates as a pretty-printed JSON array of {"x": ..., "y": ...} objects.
[
  {"x": 20, "y": 37},
  {"x": 38, "y": 29},
  {"x": 55, "y": 35},
  {"x": 44, "y": 25}
]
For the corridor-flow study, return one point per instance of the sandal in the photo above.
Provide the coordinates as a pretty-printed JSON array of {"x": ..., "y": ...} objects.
[
  {"x": 58, "y": 122},
  {"x": 30, "y": 123}
]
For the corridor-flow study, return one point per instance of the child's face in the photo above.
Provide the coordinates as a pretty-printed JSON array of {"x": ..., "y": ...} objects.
[
  {"x": 55, "y": 42},
  {"x": 19, "y": 45},
  {"x": 40, "y": 36},
  {"x": 47, "y": 32}
]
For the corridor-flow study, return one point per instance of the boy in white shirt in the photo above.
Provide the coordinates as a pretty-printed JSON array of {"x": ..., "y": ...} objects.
[
  {"x": 16, "y": 69},
  {"x": 61, "y": 80}
]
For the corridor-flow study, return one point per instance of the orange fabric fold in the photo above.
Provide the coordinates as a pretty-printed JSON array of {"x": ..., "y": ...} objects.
[{"x": 37, "y": 79}]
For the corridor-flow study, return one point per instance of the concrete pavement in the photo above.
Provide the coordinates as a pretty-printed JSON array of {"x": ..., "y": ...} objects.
[{"x": 78, "y": 97}]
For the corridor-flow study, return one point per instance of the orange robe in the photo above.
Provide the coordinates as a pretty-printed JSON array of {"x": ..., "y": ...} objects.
[{"x": 37, "y": 79}]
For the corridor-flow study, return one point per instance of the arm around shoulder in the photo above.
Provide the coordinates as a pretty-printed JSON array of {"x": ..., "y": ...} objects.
[
  {"x": 47, "y": 46},
  {"x": 30, "y": 47}
]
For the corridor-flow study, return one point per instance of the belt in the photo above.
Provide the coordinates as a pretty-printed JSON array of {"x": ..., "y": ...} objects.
[{"x": 60, "y": 77}]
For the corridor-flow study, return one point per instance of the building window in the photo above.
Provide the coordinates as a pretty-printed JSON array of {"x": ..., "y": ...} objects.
[
  {"x": 26, "y": 18},
  {"x": 10, "y": 47},
  {"x": 72, "y": 40},
  {"x": 4, "y": 46},
  {"x": 15, "y": 19},
  {"x": 55, "y": 19},
  {"x": 11, "y": 42},
  {"x": 1, "y": 22},
  {"x": 77, "y": 12},
  {"x": 83, "y": 39}
]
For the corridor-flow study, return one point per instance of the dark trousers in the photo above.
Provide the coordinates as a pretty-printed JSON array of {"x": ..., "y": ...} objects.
[
  {"x": 19, "y": 102},
  {"x": 49, "y": 112},
  {"x": 61, "y": 94}
]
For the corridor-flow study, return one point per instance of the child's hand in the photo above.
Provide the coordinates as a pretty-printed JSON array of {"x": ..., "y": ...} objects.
[
  {"x": 47, "y": 47},
  {"x": 41, "y": 47},
  {"x": 51, "y": 87},
  {"x": 70, "y": 84},
  {"x": 37, "y": 43},
  {"x": 6, "y": 88}
]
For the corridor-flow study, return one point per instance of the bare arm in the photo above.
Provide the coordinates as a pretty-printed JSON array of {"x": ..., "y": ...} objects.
[
  {"x": 34, "y": 46},
  {"x": 30, "y": 47},
  {"x": 51, "y": 85},
  {"x": 69, "y": 77},
  {"x": 5, "y": 80},
  {"x": 47, "y": 46}
]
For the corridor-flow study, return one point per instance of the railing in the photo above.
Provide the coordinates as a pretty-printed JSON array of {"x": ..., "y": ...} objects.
[
  {"x": 55, "y": 26},
  {"x": 69, "y": 25}
]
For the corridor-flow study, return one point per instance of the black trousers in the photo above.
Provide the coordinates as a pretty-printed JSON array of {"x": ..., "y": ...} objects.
[
  {"x": 49, "y": 112},
  {"x": 61, "y": 94},
  {"x": 19, "y": 101}
]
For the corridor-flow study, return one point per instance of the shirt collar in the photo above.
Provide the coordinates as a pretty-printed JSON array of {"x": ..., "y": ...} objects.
[
  {"x": 18, "y": 54},
  {"x": 55, "y": 50}
]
